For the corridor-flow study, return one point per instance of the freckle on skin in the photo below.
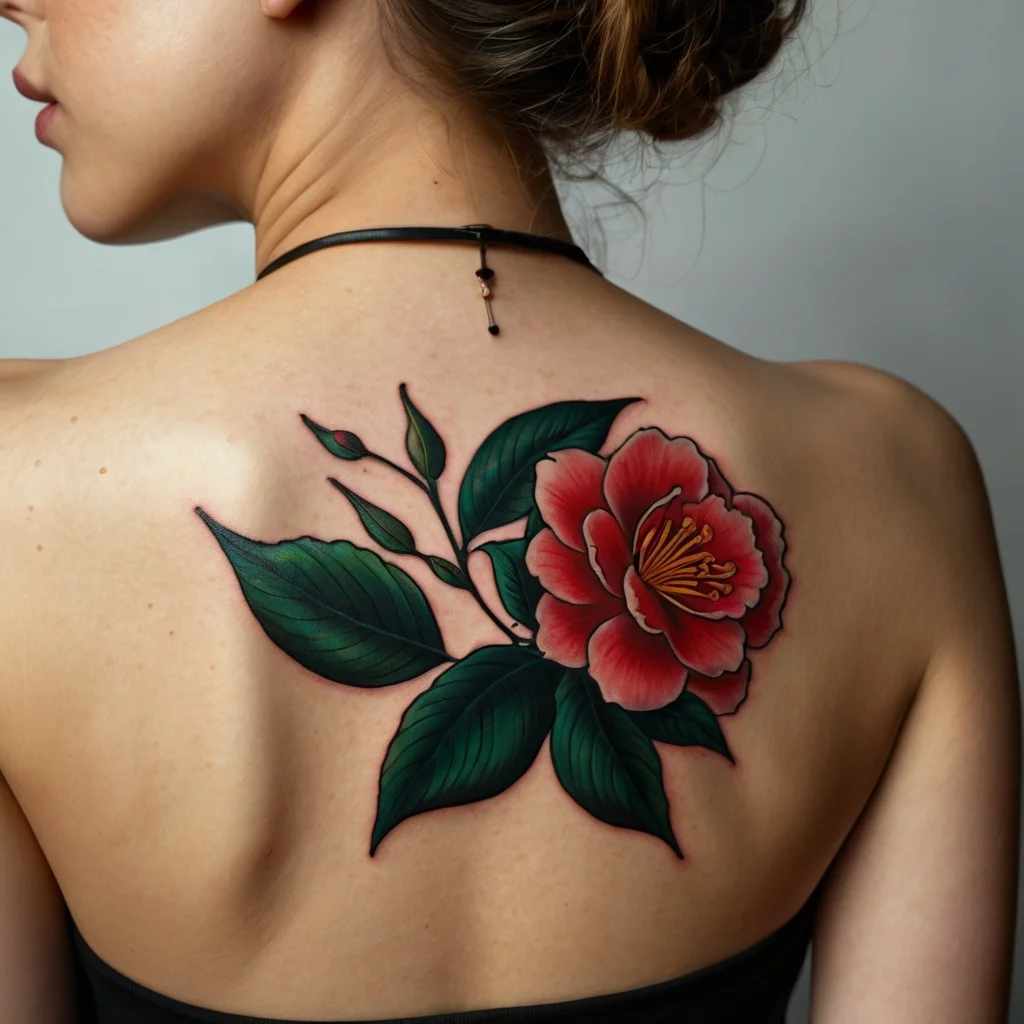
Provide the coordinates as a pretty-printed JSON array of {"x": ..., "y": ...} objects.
[
  {"x": 39, "y": 462},
  {"x": 31, "y": 508},
  {"x": 103, "y": 470},
  {"x": 74, "y": 419},
  {"x": 39, "y": 547},
  {"x": 171, "y": 633},
  {"x": 150, "y": 605}
]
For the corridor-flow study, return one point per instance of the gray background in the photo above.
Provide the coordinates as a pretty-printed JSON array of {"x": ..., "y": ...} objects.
[{"x": 864, "y": 205}]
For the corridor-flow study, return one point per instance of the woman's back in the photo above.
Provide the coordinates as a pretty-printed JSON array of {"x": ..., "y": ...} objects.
[
  {"x": 362, "y": 665},
  {"x": 211, "y": 803}
]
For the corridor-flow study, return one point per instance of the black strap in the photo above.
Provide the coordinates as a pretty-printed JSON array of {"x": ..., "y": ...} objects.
[{"x": 481, "y": 234}]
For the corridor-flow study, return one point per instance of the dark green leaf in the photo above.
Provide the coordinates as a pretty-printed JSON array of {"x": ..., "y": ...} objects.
[
  {"x": 534, "y": 523},
  {"x": 341, "y": 611},
  {"x": 498, "y": 485},
  {"x": 342, "y": 443},
  {"x": 448, "y": 572},
  {"x": 686, "y": 722},
  {"x": 469, "y": 736},
  {"x": 382, "y": 526},
  {"x": 605, "y": 762},
  {"x": 518, "y": 590},
  {"x": 422, "y": 441}
]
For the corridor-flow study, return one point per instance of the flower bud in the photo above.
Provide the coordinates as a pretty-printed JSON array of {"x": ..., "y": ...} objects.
[
  {"x": 350, "y": 442},
  {"x": 341, "y": 443}
]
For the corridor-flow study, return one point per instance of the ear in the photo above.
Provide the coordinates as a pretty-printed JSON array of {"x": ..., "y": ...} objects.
[{"x": 279, "y": 8}]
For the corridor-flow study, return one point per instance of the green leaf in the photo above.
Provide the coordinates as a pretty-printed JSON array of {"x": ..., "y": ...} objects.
[
  {"x": 469, "y": 736},
  {"x": 498, "y": 485},
  {"x": 605, "y": 762},
  {"x": 382, "y": 526},
  {"x": 518, "y": 590},
  {"x": 422, "y": 441},
  {"x": 342, "y": 443},
  {"x": 686, "y": 722},
  {"x": 534, "y": 523},
  {"x": 448, "y": 572},
  {"x": 339, "y": 610}
]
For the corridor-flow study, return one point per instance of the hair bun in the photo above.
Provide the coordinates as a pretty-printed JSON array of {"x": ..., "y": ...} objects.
[
  {"x": 574, "y": 72},
  {"x": 663, "y": 66}
]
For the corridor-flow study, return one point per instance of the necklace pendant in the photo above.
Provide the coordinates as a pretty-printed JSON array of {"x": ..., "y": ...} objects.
[{"x": 484, "y": 275}]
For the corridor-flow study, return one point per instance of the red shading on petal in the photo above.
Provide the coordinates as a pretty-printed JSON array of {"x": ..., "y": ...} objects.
[
  {"x": 609, "y": 554},
  {"x": 564, "y": 629},
  {"x": 763, "y": 621},
  {"x": 563, "y": 571},
  {"x": 650, "y": 612},
  {"x": 723, "y": 694},
  {"x": 717, "y": 484},
  {"x": 708, "y": 646},
  {"x": 568, "y": 487},
  {"x": 645, "y": 468},
  {"x": 634, "y": 668},
  {"x": 736, "y": 575}
]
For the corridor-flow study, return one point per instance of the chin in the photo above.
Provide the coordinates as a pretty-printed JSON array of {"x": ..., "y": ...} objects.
[{"x": 115, "y": 216}]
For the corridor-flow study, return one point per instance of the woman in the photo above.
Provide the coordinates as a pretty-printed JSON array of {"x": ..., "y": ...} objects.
[{"x": 386, "y": 643}]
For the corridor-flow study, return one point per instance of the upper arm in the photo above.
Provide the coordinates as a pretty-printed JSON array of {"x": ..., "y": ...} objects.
[
  {"x": 917, "y": 918},
  {"x": 36, "y": 967}
]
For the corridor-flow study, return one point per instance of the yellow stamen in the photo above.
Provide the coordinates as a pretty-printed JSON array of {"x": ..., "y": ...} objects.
[
  {"x": 662, "y": 551},
  {"x": 666, "y": 563}
]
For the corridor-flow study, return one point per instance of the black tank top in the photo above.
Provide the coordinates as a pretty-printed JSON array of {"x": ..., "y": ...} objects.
[{"x": 751, "y": 987}]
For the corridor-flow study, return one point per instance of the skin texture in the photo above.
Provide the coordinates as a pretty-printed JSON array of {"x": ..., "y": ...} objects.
[{"x": 202, "y": 803}]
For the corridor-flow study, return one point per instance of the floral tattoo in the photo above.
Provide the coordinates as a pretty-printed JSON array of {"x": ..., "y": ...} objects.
[{"x": 643, "y": 580}]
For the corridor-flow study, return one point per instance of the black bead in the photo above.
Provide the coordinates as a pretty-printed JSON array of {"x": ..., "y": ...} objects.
[
  {"x": 493, "y": 328},
  {"x": 485, "y": 273}
]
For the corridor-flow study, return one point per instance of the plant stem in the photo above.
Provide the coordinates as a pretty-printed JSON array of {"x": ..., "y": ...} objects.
[
  {"x": 398, "y": 469},
  {"x": 461, "y": 556},
  {"x": 463, "y": 559}
]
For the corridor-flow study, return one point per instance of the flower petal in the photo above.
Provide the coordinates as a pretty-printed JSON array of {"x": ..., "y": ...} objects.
[
  {"x": 568, "y": 487},
  {"x": 708, "y": 646},
  {"x": 564, "y": 629},
  {"x": 563, "y": 571},
  {"x": 644, "y": 604},
  {"x": 764, "y": 620},
  {"x": 607, "y": 549},
  {"x": 645, "y": 468},
  {"x": 632, "y": 667},
  {"x": 717, "y": 484},
  {"x": 723, "y": 694}
]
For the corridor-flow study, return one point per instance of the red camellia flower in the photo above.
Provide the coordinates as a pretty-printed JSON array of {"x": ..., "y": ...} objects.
[{"x": 657, "y": 576}]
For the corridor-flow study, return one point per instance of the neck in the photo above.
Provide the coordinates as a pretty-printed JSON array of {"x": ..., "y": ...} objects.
[{"x": 424, "y": 169}]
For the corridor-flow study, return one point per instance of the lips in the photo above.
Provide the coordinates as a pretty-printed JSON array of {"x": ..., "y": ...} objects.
[{"x": 29, "y": 91}]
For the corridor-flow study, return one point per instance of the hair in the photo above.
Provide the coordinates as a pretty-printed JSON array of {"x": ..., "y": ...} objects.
[{"x": 573, "y": 74}]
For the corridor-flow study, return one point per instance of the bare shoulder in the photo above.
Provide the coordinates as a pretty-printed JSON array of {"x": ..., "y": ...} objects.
[
  {"x": 22, "y": 370},
  {"x": 899, "y": 436},
  {"x": 909, "y": 418},
  {"x": 32, "y": 392},
  {"x": 24, "y": 385},
  {"x": 75, "y": 438},
  {"x": 904, "y": 880},
  {"x": 918, "y": 467}
]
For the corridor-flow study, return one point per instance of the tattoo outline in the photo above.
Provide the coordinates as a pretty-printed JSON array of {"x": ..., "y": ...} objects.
[{"x": 643, "y": 578}]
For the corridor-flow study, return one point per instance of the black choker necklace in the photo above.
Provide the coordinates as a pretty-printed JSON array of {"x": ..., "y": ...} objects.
[{"x": 478, "y": 233}]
